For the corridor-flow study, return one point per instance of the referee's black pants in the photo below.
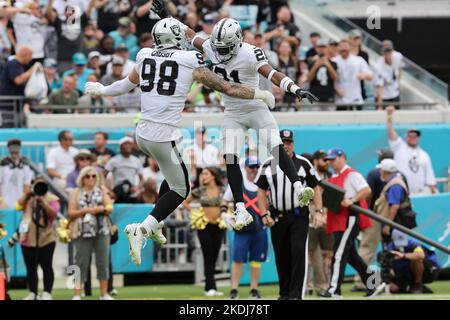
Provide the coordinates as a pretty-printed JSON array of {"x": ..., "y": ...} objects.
[
  {"x": 345, "y": 251},
  {"x": 290, "y": 245}
]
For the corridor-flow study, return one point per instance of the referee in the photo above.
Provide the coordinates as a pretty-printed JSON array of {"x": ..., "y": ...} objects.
[{"x": 288, "y": 221}]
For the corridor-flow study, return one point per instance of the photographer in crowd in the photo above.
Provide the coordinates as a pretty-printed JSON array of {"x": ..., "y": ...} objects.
[
  {"x": 37, "y": 236},
  {"x": 413, "y": 265},
  {"x": 89, "y": 210}
]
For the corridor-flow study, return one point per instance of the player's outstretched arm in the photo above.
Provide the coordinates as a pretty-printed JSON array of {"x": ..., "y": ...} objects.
[
  {"x": 213, "y": 81},
  {"x": 115, "y": 89},
  {"x": 284, "y": 82}
]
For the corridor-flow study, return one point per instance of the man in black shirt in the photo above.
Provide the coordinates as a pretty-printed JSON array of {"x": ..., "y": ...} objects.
[
  {"x": 101, "y": 152},
  {"x": 69, "y": 31},
  {"x": 288, "y": 221},
  {"x": 314, "y": 38},
  {"x": 283, "y": 29},
  {"x": 322, "y": 73},
  {"x": 14, "y": 76}
]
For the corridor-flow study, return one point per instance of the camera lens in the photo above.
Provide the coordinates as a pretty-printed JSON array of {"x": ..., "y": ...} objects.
[{"x": 40, "y": 188}]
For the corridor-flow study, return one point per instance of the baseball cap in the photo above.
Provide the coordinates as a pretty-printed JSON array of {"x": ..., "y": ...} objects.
[
  {"x": 387, "y": 44},
  {"x": 79, "y": 59},
  {"x": 286, "y": 135},
  {"x": 385, "y": 153},
  {"x": 334, "y": 152},
  {"x": 388, "y": 165},
  {"x": 399, "y": 238},
  {"x": 125, "y": 140},
  {"x": 355, "y": 33},
  {"x": 116, "y": 60},
  {"x": 252, "y": 161},
  {"x": 321, "y": 43},
  {"x": 124, "y": 22},
  {"x": 417, "y": 131},
  {"x": 332, "y": 42},
  {"x": 319, "y": 154},
  {"x": 93, "y": 54},
  {"x": 84, "y": 152},
  {"x": 121, "y": 48},
  {"x": 50, "y": 63}
]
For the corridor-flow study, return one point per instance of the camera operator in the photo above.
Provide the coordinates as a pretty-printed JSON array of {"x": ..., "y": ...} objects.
[
  {"x": 413, "y": 265},
  {"x": 37, "y": 235}
]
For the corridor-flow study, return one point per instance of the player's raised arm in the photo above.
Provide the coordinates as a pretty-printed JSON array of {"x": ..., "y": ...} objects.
[
  {"x": 284, "y": 82},
  {"x": 158, "y": 7},
  {"x": 211, "y": 80},
  {"x": 117, "y": 88}
]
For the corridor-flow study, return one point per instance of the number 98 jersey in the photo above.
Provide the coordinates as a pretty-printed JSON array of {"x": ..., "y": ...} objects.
[
  {"x": 165, "y": 78},
  {"x": 242, "y": 68}
]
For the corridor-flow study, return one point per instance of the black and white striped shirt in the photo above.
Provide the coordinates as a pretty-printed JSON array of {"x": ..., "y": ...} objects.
[{"x": 281, "y": 191}]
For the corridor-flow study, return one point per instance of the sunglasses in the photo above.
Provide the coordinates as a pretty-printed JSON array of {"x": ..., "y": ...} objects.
[
  {"x": 90, "y": 176},
  {"x": 254, "y": 167},
  {"x": 83, "y": 159}
]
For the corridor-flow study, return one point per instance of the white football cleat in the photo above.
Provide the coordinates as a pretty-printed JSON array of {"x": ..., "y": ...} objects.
[
  {"x": 106, "y": 297},
  {"x": 304, "y": 195},
  {"x": 213, "y": 293},
  {"x": 156, "y": 233},
  {"x": 136, "y": 241},
  {"x": 46, "y": 296},
  {"x": 243, "y": 218}
]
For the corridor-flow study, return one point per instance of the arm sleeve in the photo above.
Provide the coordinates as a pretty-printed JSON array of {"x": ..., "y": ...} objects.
[
  {"x": 119, "y": 87},
  {"x": 14, "y": 70},
  {"x": 262, "y": 182},
  {"x": 357, "y": 181},
  {"x": 228, "y": 195},
  {"x": 51, "y": 159}
]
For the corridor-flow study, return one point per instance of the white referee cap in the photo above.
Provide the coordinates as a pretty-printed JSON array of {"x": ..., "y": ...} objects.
[{"x": 388, "y": 165}]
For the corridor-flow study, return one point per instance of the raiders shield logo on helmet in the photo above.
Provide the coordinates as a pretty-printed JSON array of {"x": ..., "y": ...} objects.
[{"x": 175, "y": 30}]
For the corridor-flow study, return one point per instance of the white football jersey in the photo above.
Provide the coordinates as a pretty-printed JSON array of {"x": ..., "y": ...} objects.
[
  {"x": 165, "y": 78},
  {"x": 242, "y": 68}
]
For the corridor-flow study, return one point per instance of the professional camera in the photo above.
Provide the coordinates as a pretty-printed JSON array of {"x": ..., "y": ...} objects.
[
  {"x": 386, "y": 260},
  {"x": 39, "y": 188}
]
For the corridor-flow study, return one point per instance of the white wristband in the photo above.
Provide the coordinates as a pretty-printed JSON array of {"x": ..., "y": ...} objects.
[
  {"x": 193, "y": 39},
  {"x": 271, "y": 74},
  {"x": 285, "y": 83},
  {"x": 294, "y": 88}
]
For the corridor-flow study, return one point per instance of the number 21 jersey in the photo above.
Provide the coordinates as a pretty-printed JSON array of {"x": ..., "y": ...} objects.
[{"x": 242, "y": 68}]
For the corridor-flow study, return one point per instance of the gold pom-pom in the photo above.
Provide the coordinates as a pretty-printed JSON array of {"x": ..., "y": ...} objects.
[
  {"x": 198, "y": 219},
  {"x": 63, "y": 231},
  {"x": 3, "y": 232}
]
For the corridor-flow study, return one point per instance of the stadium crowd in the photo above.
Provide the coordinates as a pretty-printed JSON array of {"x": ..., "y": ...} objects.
[{"x": 71, "y": 42}]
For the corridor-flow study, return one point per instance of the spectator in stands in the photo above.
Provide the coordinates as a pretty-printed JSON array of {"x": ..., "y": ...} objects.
[
  {"x": 145, "y": 41},
  {"x": 6, "y": 45},
  {"x": 333, "y": 50},
  {"x": 94, "y": 104},
  {"x": 59, "y": 160},
  {"x": 192, "y": 21},
  {"x": 183, "y": 8},
  {"x": 122, "y": 52},
  {"x": 145, "y": 19},
  {"x": 90, "y": 207},
  {"x": 83, "y": 159},
  {"x": 250, "y": 243},
  {"x": 351, "y": 70},
  {"x": 209, "y": 9},
  {"x": 207, "y": 28},
  {"x": 100, "y": 149},
  {"x": 314, "y": 37},
  {"x": 94, "y": 62},
  {"x": 38, "y": 238},
  {"x": 152, "y": 171},
  {"x": 209, "y": 223},
  {"x": 150, "y": 192},
  {"x": 388, "y": 74},
  {"x": 355, "y": 37},
  {"x": 51, "y": 74},
  {"x": 289, "y": 65},
  {"x": 126, "y": 171},
  {"x": 322, "y": 73},
  {"x": 283, "y": 29},
  {"x": 264, "y": 14},
  {"x": 411, "y": 159},
  {"x": 320, "y": 244},
  {"x": 29, "y": 29},
  {"x": 205, "y": 154},
  {"x": 79, "y": 69},
  {"x": 91, "y": 38},
  {"x": 69, "y": 30},
  {"x": 117, "y": 71},
  {"x": 106, "y": 49},
  {"x": 14, "y": 76},
  {"x": 66, "y": 96},
  {"x": 123, "y": 36},
  {"x": 109, "y": 12},
  {"x": 15, "y": 175}
]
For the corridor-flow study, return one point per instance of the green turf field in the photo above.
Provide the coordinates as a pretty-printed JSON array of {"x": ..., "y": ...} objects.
[{"x": 185, "y": 292}]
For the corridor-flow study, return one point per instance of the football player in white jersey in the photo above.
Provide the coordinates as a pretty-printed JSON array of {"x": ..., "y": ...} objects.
[
  {"x": 240, "y": 62},
  {"x": 165, "y": 75}
]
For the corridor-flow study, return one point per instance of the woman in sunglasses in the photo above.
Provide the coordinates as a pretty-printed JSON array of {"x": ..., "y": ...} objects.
[{"x": 89, "y": 210}]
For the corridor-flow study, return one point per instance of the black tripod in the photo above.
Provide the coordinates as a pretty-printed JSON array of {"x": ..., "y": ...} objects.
[{"x": 37, "y": 214}]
